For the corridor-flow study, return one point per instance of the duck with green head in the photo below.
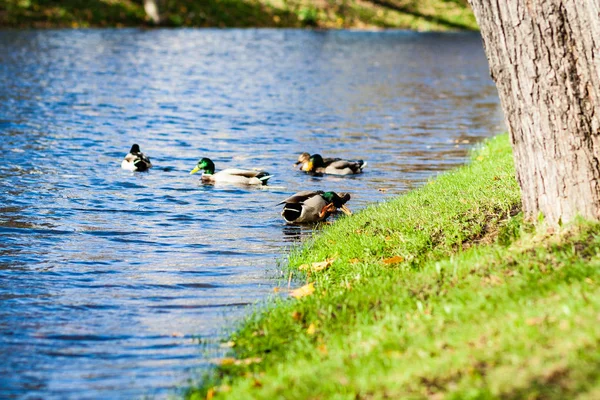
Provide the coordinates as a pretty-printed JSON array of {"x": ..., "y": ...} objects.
[
  {"x": 230, "y": 175},
  {"x": 313, "y": 206},
  {"x": 333, "y": 166}
]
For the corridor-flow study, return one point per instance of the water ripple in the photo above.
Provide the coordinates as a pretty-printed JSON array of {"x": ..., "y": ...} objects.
[{"x": 109, "y": 279}]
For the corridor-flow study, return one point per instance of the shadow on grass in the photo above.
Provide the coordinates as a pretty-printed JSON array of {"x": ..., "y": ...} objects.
[{"x": 411, "y": 9}]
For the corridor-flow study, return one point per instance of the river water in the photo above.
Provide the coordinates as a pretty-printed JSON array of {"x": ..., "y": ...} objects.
[{"x": 120, "y": 285}]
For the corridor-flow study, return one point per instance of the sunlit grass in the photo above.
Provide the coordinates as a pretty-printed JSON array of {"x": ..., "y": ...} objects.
[
  {"x": 407, "y": 14},
  {"x": 479, "y": 303}
]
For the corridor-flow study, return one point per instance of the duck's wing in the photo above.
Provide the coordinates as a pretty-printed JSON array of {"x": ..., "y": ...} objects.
[
  {"x": 354, "y": 165},
  {"x": 141, "y": 161},
  {"x": 300, "y": 197},
  {"x": 329, "y": 161},
  {"x": 243, "y": 172}
]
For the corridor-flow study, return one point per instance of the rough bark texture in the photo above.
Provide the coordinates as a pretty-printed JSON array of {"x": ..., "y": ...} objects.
[{"x": 544, "y": 56}]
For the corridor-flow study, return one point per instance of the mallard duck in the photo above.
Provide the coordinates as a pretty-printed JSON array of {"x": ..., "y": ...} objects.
[
  {"x": 136, "y": 160},
  {"x": 307, "y": 206},
  {"x": 333, "y": 166},
  {"x": 230, "y": 175}
]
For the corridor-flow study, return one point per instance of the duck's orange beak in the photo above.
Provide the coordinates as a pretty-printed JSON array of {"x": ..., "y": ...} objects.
[
  {"x": 345, "y": 210},
  {"x": 328, "y": 209}
]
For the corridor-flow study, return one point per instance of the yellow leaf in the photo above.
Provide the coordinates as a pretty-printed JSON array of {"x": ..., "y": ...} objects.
[
  {"x": 354, "y": 261},
  {"x": 322, "y": 349},
  {"x": 210, "y": 394},
  {"x": 228, "y": 361},
  {"x": 311, "y": 329},
  {"x": 534, "y": 321},
  {"x": 317, "y": 266},
  {"x": 303, "y": 291},
  {"x": 248, "y": 361},
  {"x": 393, "y": 260},
  {"x": 276, "y": 289},
  {"x": 229, "y": 344}
]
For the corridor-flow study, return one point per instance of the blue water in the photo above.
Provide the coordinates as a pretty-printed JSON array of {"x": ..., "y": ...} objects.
[{"x": 109, "y": 280}]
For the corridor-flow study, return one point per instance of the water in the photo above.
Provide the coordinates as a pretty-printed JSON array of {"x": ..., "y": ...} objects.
[{"x": 109, "y": 279}]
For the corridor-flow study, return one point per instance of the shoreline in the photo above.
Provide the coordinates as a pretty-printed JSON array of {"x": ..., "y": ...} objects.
[{"x": 442, "y": 292}]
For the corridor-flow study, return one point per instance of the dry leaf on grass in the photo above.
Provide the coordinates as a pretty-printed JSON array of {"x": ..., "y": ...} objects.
[
  {"x": 317, "y": 266},
  {"x": 393, "y": 260},
  {"x": 233, "y": 361},
  {"x": 311, "y": 329},
  {"x": 210, "y": 394},
  {"x": 303, "y": 291},
  {"x": 322, "y": 349}
]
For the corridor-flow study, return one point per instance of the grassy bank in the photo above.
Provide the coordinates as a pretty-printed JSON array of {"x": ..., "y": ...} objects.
[
  {"x": 408, "y": 14},
  {"x": 442, "y": 293}
]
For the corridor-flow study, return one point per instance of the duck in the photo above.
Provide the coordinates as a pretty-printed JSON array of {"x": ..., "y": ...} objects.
[
  {"x": 230, "y": 175},
  {"x": 316, "y": 164},
  {"x": 135, "y": 160},
  {"x": 313, "y": 206}
]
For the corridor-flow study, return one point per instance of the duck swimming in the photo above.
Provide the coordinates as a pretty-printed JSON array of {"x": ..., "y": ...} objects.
[
  {"x": 136, "y": 160},
  {"x": 313, "y": 206},
  {"x": 332, "y": 166},
  {"x": 230, "y": 175}
]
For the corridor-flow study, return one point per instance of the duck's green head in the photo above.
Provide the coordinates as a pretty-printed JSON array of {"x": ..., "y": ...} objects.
[
  {"x": 335, "y": 201},
  {"x": 206, "y": 165},
  {"x": 315, "y": 161}
]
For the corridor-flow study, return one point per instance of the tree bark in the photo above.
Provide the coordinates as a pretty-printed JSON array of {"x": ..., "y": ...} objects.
[{"x": 544, "y": 56}]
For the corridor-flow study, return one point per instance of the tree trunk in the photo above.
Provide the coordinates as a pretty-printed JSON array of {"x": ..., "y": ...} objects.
[{"x": 544, "y": 56}]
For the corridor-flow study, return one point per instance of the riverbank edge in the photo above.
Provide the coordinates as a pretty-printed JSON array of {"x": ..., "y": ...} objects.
[
  {"x": 445, "y": 292},
  {"x": 418, "y": 15}
]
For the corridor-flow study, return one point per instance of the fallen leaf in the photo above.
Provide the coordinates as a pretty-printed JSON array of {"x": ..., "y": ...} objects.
[
  {"x": 276, "y": 289},
  {"x": 317, "y": 266},
  {"x": 354, "y": 261},
  {"x": 322, "y": 349},
  {"x": 534, "y": 321},
  {"x": 257, "y": 383},
  {"x": 303, "y": 291},
  {"x": 210, "y": 393},
  {"x": 393, "y": 260},
  {"x": 311, "y": 329},
  {"x": 248, "y": 361},
  {"x": 228, "y": 361},
  {"x": 296, "y": 315},
  {"x": 229, "y": 344},
  {"x": 224, "y": 388}
]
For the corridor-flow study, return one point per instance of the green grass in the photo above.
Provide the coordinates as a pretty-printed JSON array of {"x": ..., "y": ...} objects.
[
  {"x": 482, "y": 305},
  {"x": 408, "y": 14}
]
